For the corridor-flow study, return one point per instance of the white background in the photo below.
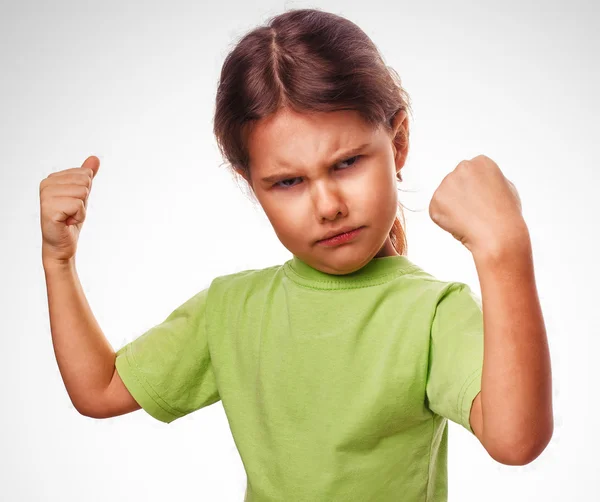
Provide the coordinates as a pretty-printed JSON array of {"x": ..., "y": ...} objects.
[{"x": 134, "y": 83}]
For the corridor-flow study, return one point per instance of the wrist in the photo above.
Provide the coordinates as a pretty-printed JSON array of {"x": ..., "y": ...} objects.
[
  {"x": 514, "y": 254},
  {"x": 509, "y": 243},
  {"x": 52, "y": 264}
]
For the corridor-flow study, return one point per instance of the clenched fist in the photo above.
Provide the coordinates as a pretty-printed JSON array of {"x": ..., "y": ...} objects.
[
  {"x": 479, "y": 206},
  {"x": 63, "y": 204}
]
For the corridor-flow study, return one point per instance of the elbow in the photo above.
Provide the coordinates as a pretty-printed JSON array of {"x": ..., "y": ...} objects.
[
  {"x": 523, "y": 452},
  {"x": 86, "y": 409},
  {"x": 517, "y": 457},
  {"x": 83, "y": 411}
]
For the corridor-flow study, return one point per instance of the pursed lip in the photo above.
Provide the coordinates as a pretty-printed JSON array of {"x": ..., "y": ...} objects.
[{"x": 339, "y": 231}]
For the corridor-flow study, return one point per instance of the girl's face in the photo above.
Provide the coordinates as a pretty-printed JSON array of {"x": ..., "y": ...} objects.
[{"x": 323, "y": 172}]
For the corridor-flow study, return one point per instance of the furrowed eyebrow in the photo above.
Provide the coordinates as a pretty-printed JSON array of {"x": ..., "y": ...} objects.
[{"x": 288, "y": 174}]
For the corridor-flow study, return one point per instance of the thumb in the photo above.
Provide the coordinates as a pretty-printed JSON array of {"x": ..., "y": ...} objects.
[{"x": 93, "y": 163}]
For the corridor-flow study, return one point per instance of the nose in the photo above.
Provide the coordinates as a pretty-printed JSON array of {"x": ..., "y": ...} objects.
[{"x": 328, "y": 201}]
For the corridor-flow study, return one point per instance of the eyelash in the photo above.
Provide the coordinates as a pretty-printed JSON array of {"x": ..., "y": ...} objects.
[{"x": 277, "y": 184}]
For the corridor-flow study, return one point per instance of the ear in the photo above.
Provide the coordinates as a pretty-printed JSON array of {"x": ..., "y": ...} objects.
[
  {"x": 244, "y": 174},
  {"x": 400, "y": 134}
]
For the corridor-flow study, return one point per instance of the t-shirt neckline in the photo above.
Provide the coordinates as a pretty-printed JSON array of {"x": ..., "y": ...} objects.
[{"x": 377, "y": 271}]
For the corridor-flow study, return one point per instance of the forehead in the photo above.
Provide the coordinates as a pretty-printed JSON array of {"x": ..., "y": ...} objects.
[{"x": 286, "y": 134}]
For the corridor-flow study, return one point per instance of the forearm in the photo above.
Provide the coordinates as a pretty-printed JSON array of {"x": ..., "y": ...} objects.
[
  {"x": 516, "y": 387},
  {"x": 84, "y": 355}
]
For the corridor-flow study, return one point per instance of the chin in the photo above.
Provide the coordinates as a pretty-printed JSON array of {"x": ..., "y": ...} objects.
[{"x": 346, "y": 263}]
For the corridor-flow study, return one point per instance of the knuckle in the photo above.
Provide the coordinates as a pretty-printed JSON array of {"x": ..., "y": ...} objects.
[
  {"x": 88, "y": 174},
  {"x": 463, "y": 164},
  {"x": 432, "y": 208},
  {"x": 43, "y": 189}
]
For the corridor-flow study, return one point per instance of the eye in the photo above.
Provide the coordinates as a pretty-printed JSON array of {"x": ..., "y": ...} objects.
[
  {"x": 351, "y": 160},
  {"x": 354, "y": 159},
  {"x": 278, "y": 184}
]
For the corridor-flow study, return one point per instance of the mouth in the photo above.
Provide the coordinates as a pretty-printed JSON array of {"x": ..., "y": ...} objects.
[{"x": 340, "y": 238}]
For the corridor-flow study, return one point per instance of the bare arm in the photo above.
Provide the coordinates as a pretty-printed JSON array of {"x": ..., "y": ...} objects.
[
  {"x": 512, "y": 416},
  {"x": 86, "y": 360}
]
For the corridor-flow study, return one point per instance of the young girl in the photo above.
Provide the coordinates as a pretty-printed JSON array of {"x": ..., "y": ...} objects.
[{"x": 339, "y": 369}]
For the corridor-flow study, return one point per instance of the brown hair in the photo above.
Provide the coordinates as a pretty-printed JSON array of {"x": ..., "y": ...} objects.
[{"x": 311, "y": 61}]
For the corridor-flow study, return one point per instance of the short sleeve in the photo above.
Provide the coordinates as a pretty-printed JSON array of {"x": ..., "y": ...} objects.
[
  {"x": 168, "y": 369},
  {"x": 456, "y": 354}
]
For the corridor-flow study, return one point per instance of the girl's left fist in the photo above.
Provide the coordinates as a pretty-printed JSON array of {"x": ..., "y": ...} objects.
[{"x": 479, "y": 206}]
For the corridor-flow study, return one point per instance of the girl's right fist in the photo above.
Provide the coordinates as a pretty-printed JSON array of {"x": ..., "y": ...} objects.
[{"x": 63, "y": 204}]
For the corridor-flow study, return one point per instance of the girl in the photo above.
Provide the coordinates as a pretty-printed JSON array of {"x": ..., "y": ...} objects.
[{"x": 339, "y": 369}]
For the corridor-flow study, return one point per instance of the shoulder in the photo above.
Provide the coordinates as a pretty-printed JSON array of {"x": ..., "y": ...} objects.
[
  {"x": 428, "y": 283},
  {"x": 244, "y": 280},
  {"x": 246, "y": 276},
  {"x": 436, "y": 295},
  {"x": 243, "y": 291}
]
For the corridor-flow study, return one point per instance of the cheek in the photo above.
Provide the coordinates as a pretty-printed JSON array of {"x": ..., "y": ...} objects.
[
  {"x": 284, "y": 217},
  {"x": 377, "y": 187}
]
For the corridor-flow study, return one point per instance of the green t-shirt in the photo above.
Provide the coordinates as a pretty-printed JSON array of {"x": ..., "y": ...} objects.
[{"x": 336, "y": 388}]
